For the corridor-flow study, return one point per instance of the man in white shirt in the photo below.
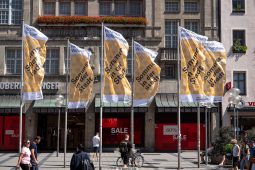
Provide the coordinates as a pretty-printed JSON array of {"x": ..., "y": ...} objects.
[
  {"x": 236, "y": 154},
  {"x": 96, "y": 143}
]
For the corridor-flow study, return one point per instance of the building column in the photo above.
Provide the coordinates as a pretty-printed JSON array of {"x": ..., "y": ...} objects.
[
  {"x": 2, "y": 59},
  {"x": 62, "y": 67},
  {"x": 215, "y": 124},
  {"x": 31, "y": 121},
  {"x": 89, "y": 126},
  {"x": 72, "y": 8},
  {"x": 149, "y": 131},
  {"x": 57, "y": 8}
]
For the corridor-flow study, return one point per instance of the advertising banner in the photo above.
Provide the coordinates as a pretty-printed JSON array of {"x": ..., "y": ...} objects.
[
  {"x": 146, "y": 76},
  {"x": 81, "y": 78},
  {"x": 116, "y": 85},
  {"x": 34, "y": 58},
  {"x": 203, "y": 68}
]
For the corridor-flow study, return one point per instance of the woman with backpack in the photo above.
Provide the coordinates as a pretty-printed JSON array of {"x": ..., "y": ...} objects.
[{"x": 125, "y": 148}]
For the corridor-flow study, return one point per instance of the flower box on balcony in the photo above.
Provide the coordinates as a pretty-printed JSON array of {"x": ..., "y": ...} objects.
[
  {"x": 238, "y": 47},
  {"x": 73, "y": 20}
]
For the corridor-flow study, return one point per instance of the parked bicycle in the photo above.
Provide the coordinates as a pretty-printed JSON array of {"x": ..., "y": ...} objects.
[{"x": 135, "y": 160}]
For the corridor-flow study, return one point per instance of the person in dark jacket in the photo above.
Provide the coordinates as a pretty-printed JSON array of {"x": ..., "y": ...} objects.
[{"x": 78, "y": 159}]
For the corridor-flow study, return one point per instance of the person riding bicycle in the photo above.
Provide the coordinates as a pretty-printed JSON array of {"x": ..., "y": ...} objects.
[{"x": 125, "y": 148}]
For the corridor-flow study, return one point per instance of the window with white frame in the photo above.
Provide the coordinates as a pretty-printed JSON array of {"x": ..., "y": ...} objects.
[
  {"x": 52, "y": 61},
  {"x": 192, "y": 25},
  {"x": 10, "y": 12},
  {"x": 48, "y": 8},
  {"x": 238, "y": 5},
  {"x": 191, "y": 6},
  {"x": 105, "y": 8},
  {"x": 80, "y": 8},
  {"x": 240, "y": 81},
  {"x": 171, "y": 31},
  {"x": 120, "y": 8},
  {"x": 172, "y": 6},
  {"x": 64, "y": 8},
  {"x": 135, "y": 8},
  {"x": 13, "y": 60}
]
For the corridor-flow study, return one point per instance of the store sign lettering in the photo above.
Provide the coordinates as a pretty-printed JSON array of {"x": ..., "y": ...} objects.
[
  {"x": 170, "y": 130},
  {"x": 119, "y": 130},
  {"x": 16, "y": 85},
  {"x": 9, "y": 132},
  {"x": 251, "y": 103}
]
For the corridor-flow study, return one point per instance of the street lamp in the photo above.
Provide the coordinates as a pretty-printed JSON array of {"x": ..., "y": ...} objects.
[
  {"x": 59, "y": 103},
  {"x": 235, "y": 100}
]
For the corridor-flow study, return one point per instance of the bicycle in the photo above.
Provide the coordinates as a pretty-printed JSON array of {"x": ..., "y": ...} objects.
[{"x": 134, "y": 160}]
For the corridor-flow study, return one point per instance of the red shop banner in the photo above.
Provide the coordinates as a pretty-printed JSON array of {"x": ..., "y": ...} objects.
[
  {"x": 9, "y": 132},
  {"x": 166, "y": 136},
  {"x": 114, "y": 130}
]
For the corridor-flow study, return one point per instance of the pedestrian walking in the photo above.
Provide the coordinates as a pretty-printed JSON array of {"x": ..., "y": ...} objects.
[
  {"x": 236, "y": 154},
  {"x": 252, "y": 156},
  {"x": 125, "y": 149},
  {"x": 34, "y": 152},
  {"x": 96, "y": 144},
  {"x": 80, "y": 160},
  {"x": 245, "y": 155},
  {"x": 24, "y": 158},
  {"x": 227, "y": 153}
]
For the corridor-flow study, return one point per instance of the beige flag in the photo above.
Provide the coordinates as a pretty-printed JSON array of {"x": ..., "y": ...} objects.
[
  {"x": 147, "y": 75},
  {"x": 34, "y": 58},
  {"x": 116, "y": 85},
  {"x": 81, "y": 78},
  {"x": 203, "y": 68}
]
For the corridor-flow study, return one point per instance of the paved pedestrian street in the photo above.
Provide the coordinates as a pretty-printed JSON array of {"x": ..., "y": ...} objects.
[{"x": 152, "y": 161}]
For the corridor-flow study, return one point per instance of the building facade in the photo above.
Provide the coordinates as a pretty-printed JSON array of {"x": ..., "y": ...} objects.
[
  {"x": 155, "y": 125},
  {"x": 237, "y": 32}
]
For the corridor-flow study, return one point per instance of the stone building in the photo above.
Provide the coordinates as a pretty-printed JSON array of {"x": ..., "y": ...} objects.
[
  {"x": 238, "y": 33},
  {"x": 153, "y": 124}
]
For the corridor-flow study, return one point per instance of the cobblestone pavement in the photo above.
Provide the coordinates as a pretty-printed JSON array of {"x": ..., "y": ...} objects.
[{"x": 153, "y": 161}]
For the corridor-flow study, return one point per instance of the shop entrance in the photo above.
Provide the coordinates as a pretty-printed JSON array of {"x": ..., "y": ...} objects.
[{"x": 47, "y": 129}]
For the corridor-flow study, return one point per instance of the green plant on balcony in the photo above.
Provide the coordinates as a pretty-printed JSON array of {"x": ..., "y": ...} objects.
[
  {"x": 238, "y": 8},
  {"x": 238, "y": 47}
]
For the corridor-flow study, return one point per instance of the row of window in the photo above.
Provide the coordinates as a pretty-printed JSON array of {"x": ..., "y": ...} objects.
[
  {"x": 171, "y": 32},
  {"x": 192, "y": 6},
  {"x": 106, "y": 8},
  {"x": 173, "y": 6}
]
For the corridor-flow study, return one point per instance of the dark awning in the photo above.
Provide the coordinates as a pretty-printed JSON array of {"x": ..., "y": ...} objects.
[
  {"x": 10, "y": 101},
  {"x": 117, "y": 107},
  {"x": 244, "y": 109},
  {"x": 168, "y": 102}
]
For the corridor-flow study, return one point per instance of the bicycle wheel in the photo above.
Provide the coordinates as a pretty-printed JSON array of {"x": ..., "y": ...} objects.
[
  {"x": 139, "y": 160},
  {"x": 119, "y": 162}
]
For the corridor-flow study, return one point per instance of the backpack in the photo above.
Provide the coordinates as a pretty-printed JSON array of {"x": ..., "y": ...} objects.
[
  {"x": 87, "y": 165},
  {"x": 123, "y": 147}
]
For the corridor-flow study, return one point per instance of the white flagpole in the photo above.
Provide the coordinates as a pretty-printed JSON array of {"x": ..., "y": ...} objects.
[
  {"x": 198, "y": 134},
  {"x": 179, "y": 108},
  {"x": 66, "y": 105},
  {"x": 21, "y": 87},
  {"x": 206, "y": 138},
  {"x": 101, "y": 96},
  {"x": 132, "y": 94}
]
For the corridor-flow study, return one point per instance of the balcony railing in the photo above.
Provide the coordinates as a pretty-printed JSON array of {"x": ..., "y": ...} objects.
[{"x": 168, "y": 54}]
